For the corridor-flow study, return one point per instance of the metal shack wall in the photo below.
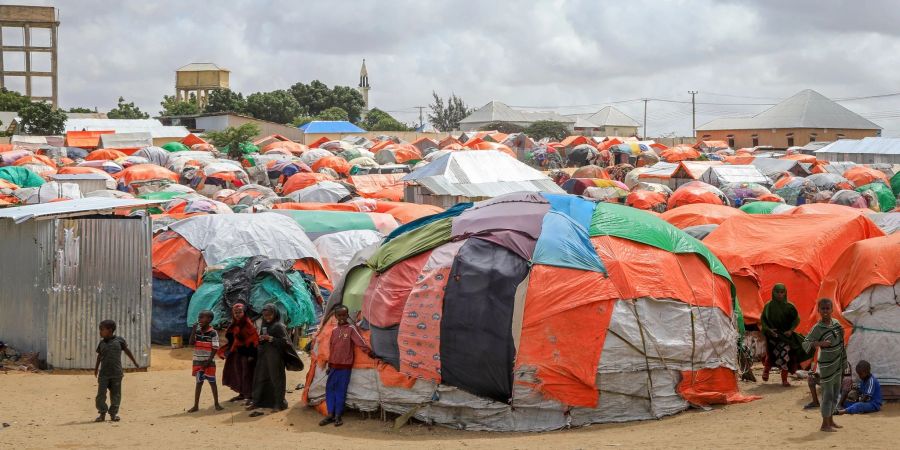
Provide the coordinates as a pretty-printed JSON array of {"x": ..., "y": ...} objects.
[
  {"x": 101, "y": 270},
  {"x": 26, "y": 255}
]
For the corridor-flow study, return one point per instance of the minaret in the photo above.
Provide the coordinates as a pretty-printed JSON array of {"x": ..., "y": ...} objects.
[{"x": 364, "y": 84}]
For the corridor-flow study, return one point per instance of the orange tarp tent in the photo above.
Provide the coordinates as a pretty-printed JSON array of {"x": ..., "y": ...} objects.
[
  {"x": 301, "y": 180},
  {"x": 862, "y": 175},
  {"x": 645, "y": 199},
  {"x": 406, "y": 212},
  {"x": 866, "y": 263},
  {"x": 290, "y": 146},
  {"x": 380, "y": 145},
  {"x": 336, "y": 163},
  {"x": 379, "y": 186},
  {"x": 572, "y": 141},
  {"x": 192, "y": 139},
  {"x": 679, "y": 153},
  {"x": 35, "y": 159},
  {"x": 828, "y": 208},
  {"x": 797, "y": 250},
  {"x": 107, "y": 154},
  {"x": 143, "y": 172},
  {"x": 351, "y": 207},
  {"x": 318, "y": 142},
  {"x": 85, "y": 139}
]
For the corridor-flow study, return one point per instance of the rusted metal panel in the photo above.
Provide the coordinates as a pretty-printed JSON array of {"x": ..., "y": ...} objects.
[{"x": 27, "y": 251}]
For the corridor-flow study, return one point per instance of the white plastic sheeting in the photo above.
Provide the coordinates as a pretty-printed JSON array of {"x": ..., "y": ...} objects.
[
  {"x": 720, "y": 175},
  {"x": 634, "y": 384},
  {"x": 223, "y": 236},
  {"x": 875, "y": 315},
  {"x": 337, "y": 249},
  {"x": 323, "y": 192},
  {"x": 47, "y": 192}
]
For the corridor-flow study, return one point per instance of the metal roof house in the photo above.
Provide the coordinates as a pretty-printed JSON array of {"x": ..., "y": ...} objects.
[
  {"x": 466, "y": 176},
  {"x": 609, "y": 121},
  {"x": 870, "y": 150},
  {"x": 68, "y": 265},
  {"x": 500, "y": 112},
  {"x": 330, "y": 127},
  {"x": 806, "y": 117}
]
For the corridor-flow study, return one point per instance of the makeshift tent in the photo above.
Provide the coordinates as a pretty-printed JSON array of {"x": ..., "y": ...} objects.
[
  {"x": 647, "y": 200},
  {"x": 700, "y": 232},
  {"x": 830, "y": 181},
  {"x": 852, "y": 199},
  {"x": 895, "y": 184},
  {"x": 322, "y": 192},
  {"x": 302, "y": 180},
  {"x": 379, "y": 186},
  {"x": 310, "y": 157},
  {"x": 700, "y": 214},
  {"x": 679, "y": 153},
  {"x": 143, "y": 173},
  {"x": 607, "y": 190},
  {"x": 795, "y": 190},
  {"x": 797, "y": 250},
  {"x": 398, "y": 154},
  {"x": 766, "y": 208},
  {"x": 105, "y": 154},
  {"x": 697, "y": 192},
  {"x": 336, "y": 163},
  {"x": 721, "y": 175},
  {"x": 175, "y": 147},
  {"x": 21, "y": 177},
  {"x": 321, "y": 223},
  {"x": 887, "y": 201},
  {"x": 860, "y": 175},
  {"x": 472, "y": 313},
  {"x": 864, "y": 283},
  {"x": 337, "y": 249},
  {"x": 590, "y": 171}
]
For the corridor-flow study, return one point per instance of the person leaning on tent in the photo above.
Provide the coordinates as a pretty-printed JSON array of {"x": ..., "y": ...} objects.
[
  {"x": 275, "y": 355},
  {"x": 784, "y": 346}
]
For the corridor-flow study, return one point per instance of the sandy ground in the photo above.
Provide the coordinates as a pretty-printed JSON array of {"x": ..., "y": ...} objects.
[{"x": 57, "y": 411}]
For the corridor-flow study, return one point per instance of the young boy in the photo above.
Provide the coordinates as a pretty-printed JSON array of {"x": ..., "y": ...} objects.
[
  {"x": 344, "y": 337},
  {"x": 869, "y": 392},
  {"x": 828, "y": 337},
  {"x": 206, "y": 343},
  {"x": 108, "y": 370}
]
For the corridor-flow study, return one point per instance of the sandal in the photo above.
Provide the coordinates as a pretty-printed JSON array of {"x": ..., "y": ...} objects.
[{"x": 257, "y": 414}]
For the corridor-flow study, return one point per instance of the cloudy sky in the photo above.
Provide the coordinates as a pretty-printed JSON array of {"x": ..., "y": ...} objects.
[{"x": 566, "y": 55}]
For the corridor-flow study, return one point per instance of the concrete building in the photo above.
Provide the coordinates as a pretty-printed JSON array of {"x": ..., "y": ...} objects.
[
  {"x": 364, "y": 85},
  {"x": 198, "y": 79},
  {"x": 806, "y": 117},
  {"x": 28, "y": 57},
  {"x": 200, "y": 123},
  {"x": 609, "y": 121},
  {"x": 500, "y": 112}
]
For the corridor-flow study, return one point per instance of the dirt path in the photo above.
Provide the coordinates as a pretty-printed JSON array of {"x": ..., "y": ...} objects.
[{"x": 56, "y": 411}]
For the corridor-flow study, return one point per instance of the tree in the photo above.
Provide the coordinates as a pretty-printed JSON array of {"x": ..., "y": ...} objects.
[
  {"x": 334, "y": 113},
  {"x": 174, "y": 107},
  {"x": 378, "y": 120},
  {"x": 503, "y": 127},
  {"x": 126, "y": 111},
  {"x": 12, "y": 100},
  {"x": 276, "y": 106},
  {"x": 225, "y": 100},
  {"x": 231, "y": 139},
  {"x": 299, "y": 121},
  {"x": 446, "y": 118},
  {"x": 556, "y": 131},
  {"x": 81, "y": 109},
  {"x": 314, "y": 98},
  {"x": 42, "y": 120}
]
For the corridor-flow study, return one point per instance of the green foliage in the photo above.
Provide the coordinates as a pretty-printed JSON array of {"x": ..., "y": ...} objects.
[
  {"x": 299, "y": 121},
  {"x": 503, "y": 127},
  {"x": 12, "y": 100},
  {"x": 225, "y": 100},
  {"x": 173, "y": 107},
  {"x": 556, "y": 131},
  {"x": 80, "y": 109},
  {"x": 446, "y": 118},
  {"x": 315, "y": 98},
  {"x": 42, "y": 120},
  {"x": 276, "y": 106},
  {"x": 231, "y": 139},
  {"x": 378, "y": 120},
  {"x": 334, "y": 113},
  {"x": 126, "y": 111}
]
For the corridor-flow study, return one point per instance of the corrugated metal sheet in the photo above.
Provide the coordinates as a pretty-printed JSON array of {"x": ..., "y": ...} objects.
[
  {"x": 101, "y": 271},
  {"x": 61, "y": 277},
  {"x": 27, "y": 251},
  {"x": 152, "y": 126},
  {"x": 81, "y": 206}
]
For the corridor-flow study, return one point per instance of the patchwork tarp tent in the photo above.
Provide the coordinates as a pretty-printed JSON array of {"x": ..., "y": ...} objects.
[
  {"x": 865, "y": 284},
  {"x": 515, "y": 313}
]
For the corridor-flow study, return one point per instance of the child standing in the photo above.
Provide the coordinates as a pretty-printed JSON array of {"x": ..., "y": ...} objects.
[
  {"x": 206, "y": 343},
  {"x": 869, "y": 392},
  {"x": 108, "y": 370},
  {"x": 344, "y": 337},
  {"x": 828, "y": 336}
]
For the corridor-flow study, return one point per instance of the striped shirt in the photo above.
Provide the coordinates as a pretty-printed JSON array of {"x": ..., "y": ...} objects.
[
  {"x": 206, "y": 342},
  {"x": 832, "y": 358}
]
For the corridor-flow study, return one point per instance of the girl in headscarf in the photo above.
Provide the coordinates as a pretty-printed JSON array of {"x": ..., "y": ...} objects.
[
  {"x": 240, "y": 354},
  {"x": 276, "y": 353},
  {"x": 784, "y": 347}
]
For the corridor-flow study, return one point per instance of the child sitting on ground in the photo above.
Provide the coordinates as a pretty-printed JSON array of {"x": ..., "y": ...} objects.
[
  {"x": 206, "y": 343},
  {"x": 869, "y": 392},
  {"x": 344, "y": 337},
  {"x": 108, "y": 370}
]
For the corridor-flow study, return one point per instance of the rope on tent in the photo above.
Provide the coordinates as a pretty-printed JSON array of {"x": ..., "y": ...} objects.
[{"x": 646, "y": 359}]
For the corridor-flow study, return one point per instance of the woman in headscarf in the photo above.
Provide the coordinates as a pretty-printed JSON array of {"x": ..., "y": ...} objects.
[
  {"x": 276, "y": 354},
  {"x": 784, "y": 348},
  {"x": 240, "y": 353}
]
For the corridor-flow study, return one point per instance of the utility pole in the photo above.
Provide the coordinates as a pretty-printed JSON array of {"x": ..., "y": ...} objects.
[
  {"x": 421, "y": 122},
  {"x": 645, "y": 117},
  {"x": 693, "y": 113}
]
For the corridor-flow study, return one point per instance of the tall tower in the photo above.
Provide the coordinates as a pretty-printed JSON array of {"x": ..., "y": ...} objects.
[{"x": 364, "y": 84}]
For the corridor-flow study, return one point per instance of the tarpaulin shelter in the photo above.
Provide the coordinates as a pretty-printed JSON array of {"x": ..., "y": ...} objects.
[
  {"x": 144, "y": 172},
  {"x": 766, "y": 208},
  {"x": 860, "y": 175},
  {"x": 590, "y": 171},
  {"x": 887, "y": 201},
  {"x": 895, "y": 184},
  {"x": 337, "y": 249},
  {"x": 127, "y": 143},
  {"x": 155, "y": 155},
  {"x": 292, "y": 147},
  {"x": 398, "y": 154},
  {"x": 889, "y": 222},
  {"x": 336, "y": 163},
  {"x": 826, "y": 208},
  {"x": 322, "y": 192},
  {"x": 740, "y": 192},
  {"x": 105, "y": 154},
  {"x": 302, "y": 180},
  {"x": 797, "y": 250},
  {"x": 697, "y": 192},
  {"x": 700, "y": 214},
  {"x": 320, "y": 223},
  {"x": 576, "y": 186},
  {"x": 853, "y": 199},
  {"x": 721, "y": 175},
  {"x": 314, "y": 154},
  {"x": 647, "y": 200},
  {"x": 191, "y": 140},
  {"x": 404, "y": 212},
  {"x": 174, "y": 147},
  {"x": 85, "y": 139},
  {"x": 516, "y": 313},
  {"x": 830, "y": 181},
  {"x": 582, "y": 155},
  {"x": 379, "y": 186},
  {"x": 773, "y": 168},
  {"x": 795, "y": 190},
  {"x": 607, "y": 190},
  {"x": 21, "y": 177},
  {"x": 865, "y": 283},
  {"x": 711, "y": 146},
  {"x": 679, "y": 153}
]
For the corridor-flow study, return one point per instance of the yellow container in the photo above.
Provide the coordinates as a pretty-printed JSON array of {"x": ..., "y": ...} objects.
[{"x": 176, "y": 342}]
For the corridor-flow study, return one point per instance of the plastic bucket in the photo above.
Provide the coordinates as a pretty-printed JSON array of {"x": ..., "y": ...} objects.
[{"x": 176, "y": 342}]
